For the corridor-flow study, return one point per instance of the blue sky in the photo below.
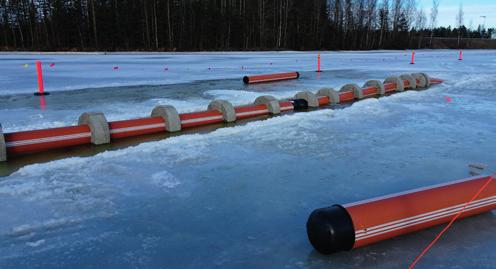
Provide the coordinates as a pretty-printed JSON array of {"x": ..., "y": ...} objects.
[{"x": 473, "y": 10}]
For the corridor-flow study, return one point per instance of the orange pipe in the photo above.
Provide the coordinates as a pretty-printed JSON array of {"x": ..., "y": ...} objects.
[
  {"x": 195, "y": 119},
  {"x": 323, "y": 100},
  {"x": 245, "y": 112},
  {"x": 369, "y": 91},
  {"x": 286, "y": 106},
  {"x": 127, "y": 128},
  {"x": 435, "y": 81},
  {"x": 390, "y": 87},
  {"x": 370, "y": 221},
  {"x": 40, "y": 140},
  {"x": 346, "y": 96},
  {"x": 270, "y": 77}
]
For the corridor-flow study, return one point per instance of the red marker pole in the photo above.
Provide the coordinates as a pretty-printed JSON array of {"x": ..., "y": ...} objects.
[
  {"x": 460, "y": 57},
  {"x": 413, "y": 58},
  {"x": 41, "y": 87},
  {"x": 318, "y": 63}
]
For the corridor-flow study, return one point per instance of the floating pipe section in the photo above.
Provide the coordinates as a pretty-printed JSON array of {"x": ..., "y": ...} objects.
[
  {"x": 93, "y": 127},
  {"x": 270, "y": 77},
  {"x": 345, "y": 227}
]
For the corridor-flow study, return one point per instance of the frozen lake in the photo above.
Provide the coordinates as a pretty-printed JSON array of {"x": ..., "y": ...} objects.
[{"x": 239, "y": 197}]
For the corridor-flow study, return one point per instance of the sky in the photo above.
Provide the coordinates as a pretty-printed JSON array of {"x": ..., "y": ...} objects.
[{"x": 473, "y": 10}]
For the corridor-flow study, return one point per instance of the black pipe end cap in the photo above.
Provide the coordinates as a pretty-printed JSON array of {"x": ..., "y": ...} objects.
[
  {"x": 297, "y": 75},
  {"x": 331, "y": 230},
  {"x": 246, "y": 79},
  {"x": 299, "y": 104},
  {"x": 41, "y": 93}
]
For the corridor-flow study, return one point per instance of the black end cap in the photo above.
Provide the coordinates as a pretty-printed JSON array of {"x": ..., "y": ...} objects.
[
  {"x": 297, "y": 75},
  {"x": 331, "y": 230},
  {"x": 246, "y": 79},
  {"x": 299, "y": 104},
  {"x": 41, "y": 93}
]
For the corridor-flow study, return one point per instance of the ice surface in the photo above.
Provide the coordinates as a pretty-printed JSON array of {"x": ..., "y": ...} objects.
[{"x": 239, "y": 197}]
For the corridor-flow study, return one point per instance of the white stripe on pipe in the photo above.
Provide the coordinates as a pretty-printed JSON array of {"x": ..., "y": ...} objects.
[
  {"x": 47, "y": 139},
  {"x": 420, "y": 221},
  {"x": 423, "y": 216},
  {"x": 284, "y": 108},
  {"x": 137, "y": 128},
  {"x": 442, "y": 210},
  {"x": 405, "y": 226},
  {"x": 405, "y": 223},
  {"x": 202, "y": 119},
  {"x": 414, "y": 191},
  {"x": 250, "y": 113}
]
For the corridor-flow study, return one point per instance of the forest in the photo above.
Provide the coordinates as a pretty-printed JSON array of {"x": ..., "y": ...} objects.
[{"x": 205, "y": 25}]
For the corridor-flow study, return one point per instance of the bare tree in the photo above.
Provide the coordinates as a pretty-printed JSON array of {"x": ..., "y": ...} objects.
[
  {"x": 420, "y": 19},
  {"x": 93, "y": 15},
  {"x": 397, "y": 6},
  {"x": 384, "y": 21},
  {"x": 459, "y": 17},
  {"x": 420, "y": 24},
  {"x": 459, "y": 22},
  {"x": 410, "y": 12},
  {"x": 434, "y": 13}
]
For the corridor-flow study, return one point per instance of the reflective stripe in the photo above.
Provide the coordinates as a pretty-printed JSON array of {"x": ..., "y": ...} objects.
[
  {"x": 249, "y": 113},
  {"x": 413, "y": 191},
  {"x": 137, "y": 128},
  {"x": 47, "y": 139},
  {"x": 419, "y": 219},
  {"x": 202, "y": 119}
]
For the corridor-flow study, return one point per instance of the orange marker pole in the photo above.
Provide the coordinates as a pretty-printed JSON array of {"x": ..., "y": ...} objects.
[
  {"x": 318, "y": 63},
  {"x": 41, "y": 87},
  {"x": 413, "y": 58},
  {"x": 460, "y": 57}
]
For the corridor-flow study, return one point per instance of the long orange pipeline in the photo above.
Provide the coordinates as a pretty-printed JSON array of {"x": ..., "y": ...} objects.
[{"x": 46, "y": 139}]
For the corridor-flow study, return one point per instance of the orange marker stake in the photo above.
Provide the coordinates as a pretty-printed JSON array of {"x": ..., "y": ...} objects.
[
  {"x": 413, "y": 58},
  {"x": 318, "y": 63},
  {"x": 460, "y": 56},
  {"x": 41, "y": 87}
]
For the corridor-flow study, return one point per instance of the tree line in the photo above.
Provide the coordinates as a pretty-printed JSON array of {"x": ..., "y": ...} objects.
[{"x": 188, "y": 25}]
